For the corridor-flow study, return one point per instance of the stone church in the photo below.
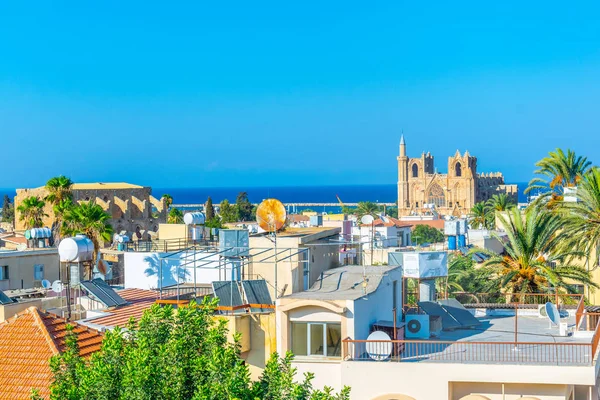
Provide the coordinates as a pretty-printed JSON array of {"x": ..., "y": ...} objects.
[{"x": 421, "y": 187}]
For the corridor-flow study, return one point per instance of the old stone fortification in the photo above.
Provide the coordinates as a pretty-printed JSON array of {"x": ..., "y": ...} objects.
[
  {"x": 130, "y": 206},
  {"x": 454, "y": 193}
]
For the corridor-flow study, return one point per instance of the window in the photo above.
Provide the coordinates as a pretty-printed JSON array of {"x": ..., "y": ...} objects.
[
  {"x": 317, "y": 339},
  {"x": 3, "y": 272},
  {"x": 38, "y": 272},
  {"x": 458, "y": 169},
  {"x": 415, "y": 171}
]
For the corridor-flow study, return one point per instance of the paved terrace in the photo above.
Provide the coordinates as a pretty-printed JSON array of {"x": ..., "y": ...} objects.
[{"x": 493, "y": 342}]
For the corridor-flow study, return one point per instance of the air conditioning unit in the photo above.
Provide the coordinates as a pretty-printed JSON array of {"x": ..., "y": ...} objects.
[
  {"x": 417, "y": 327},
  {"x": 542, "y": 313}
]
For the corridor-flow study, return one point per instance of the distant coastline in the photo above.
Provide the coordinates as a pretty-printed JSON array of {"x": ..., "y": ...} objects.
[{"x": 287, "y": 194}]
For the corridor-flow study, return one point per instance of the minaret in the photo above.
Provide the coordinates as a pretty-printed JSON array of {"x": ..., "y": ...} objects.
[{"x": 403, "y": 200}]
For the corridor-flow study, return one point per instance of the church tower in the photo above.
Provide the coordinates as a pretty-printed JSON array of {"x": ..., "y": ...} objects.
[{"x": 403, "y": 200}]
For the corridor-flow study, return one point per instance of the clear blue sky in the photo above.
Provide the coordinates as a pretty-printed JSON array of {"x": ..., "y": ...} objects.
[{"x": 291, "y": 93}]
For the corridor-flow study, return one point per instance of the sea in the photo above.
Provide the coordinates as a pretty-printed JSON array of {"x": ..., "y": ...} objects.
[{"x": 387, "y": 193}]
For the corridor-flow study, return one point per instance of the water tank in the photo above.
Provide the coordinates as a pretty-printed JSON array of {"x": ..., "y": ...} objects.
[
  {"x": 451, "y": 242},
  {"x": 194, "y": 218},
  {"x": 462, "y": 226},
  {"x": 235, "y": 242},
  {"x": 27, "y": 234},
  {"x": 40, "y": 233},
  {"x": 450, "y": 227},
  {"x": 197, "y": 233},
  {"x": 462, "y": 241},
  {"x": 76, "y": 249}
]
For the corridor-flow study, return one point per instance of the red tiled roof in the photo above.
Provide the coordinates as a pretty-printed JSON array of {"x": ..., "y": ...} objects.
[
  {"x": 140, "y": 300},
  {"x": 27, "y": 341},
  {"x": 12, "y": 238},
  {"x": 390, "y": 222}
]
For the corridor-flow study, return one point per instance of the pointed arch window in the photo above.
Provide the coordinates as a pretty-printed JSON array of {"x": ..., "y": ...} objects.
[
  {"x": 436, "y": 196},
  {"x": 458, "y": 169},
  {"x": 415, "y": 171}
]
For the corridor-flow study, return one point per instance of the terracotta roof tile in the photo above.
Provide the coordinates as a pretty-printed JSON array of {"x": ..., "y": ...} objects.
[{"x": 27, "y": 341}]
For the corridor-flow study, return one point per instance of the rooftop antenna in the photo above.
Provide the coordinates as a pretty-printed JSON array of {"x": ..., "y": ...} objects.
[
  {"x": 368, "y": 220},
  {"x": 271, "y": 217}
]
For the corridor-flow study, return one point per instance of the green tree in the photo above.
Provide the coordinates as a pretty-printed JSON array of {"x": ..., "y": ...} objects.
[
  {"x": 244, "y": 207},
  {"x": 535, "y": 260},
  {"x": 392, "y": 212},
  {"x": 559, "y": 170},
  {"x": 32, "y": 212},
  {"x": 228, "y": 212},
  {"x": 209, "y": 210},
  {"x": 582, "y": 218},
  {"x": 480, "y": 216},
  {"x": 8, "y": 210},
  {"x": 175, "y": 354},
  {"x": 168, "y": 200},
  {"x": 367, "y": 208},
  {"x": 59, "y": 188},
  {"x": 426, "y": 234},
  {"x": 348, "y": 210},
  {"x": 175, "y": 216},
  {"x": 91, "y": 220},
  {"x": 501, "y": 202}
]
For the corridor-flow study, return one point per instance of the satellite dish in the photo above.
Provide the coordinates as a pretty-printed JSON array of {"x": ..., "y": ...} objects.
[
  {"x": 57, "y": 287},
  {"x": 46, "y": 284},
  {"x": 367, "y": 219},
  {"x": 21, "y": 247},
  {"x": 553, "y": 314},
  {"x": 271, "y": 215},
  {"x": 379, "y": 346}
]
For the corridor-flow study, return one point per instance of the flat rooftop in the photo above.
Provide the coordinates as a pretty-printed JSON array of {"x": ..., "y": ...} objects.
[{"x": 493, "y": 342}]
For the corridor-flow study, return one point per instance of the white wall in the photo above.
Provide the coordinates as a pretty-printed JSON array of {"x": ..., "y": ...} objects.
[
  {"x": 142, "y": 269},
  {"x": 377, "y": 306},
  {"x": 327, "y": 373}
]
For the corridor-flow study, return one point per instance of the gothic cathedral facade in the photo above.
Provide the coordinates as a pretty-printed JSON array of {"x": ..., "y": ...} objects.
[{"x": 421, "y": 188}]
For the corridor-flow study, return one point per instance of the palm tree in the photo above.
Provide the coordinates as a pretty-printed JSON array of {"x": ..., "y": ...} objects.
[
  {"x": 366, "y": 208},
  {"x": 90, "y": 219},
  {"x": 560, "y": 170},
  {"x": 60, "y": 195},
  {"x": 535, "y": 260},
  {"x": 175, "y": 216},
  {"x": 479, "y": 217},
  {"x": 501, "y": 202},
  {"x": 582, "y": 218},
  {"x": 32, "y": 212}
]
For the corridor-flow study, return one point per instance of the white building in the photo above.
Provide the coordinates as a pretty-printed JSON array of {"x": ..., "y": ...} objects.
[{"x": 384, "y": 232}]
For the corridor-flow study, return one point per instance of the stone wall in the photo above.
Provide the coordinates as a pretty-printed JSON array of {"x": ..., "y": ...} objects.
[{"x": 130, "y": 208}]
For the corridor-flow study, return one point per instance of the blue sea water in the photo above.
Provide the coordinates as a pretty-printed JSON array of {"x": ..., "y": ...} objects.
[{"x": 287, "y": 194}]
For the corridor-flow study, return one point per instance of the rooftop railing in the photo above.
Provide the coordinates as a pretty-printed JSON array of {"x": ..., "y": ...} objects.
[{"x": 568, "y": 354}]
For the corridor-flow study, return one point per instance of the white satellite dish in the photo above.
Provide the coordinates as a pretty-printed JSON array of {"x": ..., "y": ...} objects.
[
  {"x": 57, "y": 287},
  {"x": 553, "y": 314},
  {"x": 379, "y": 346},
  {"x": 367, "y": 219},
  {"x": 46, "y": 284}
]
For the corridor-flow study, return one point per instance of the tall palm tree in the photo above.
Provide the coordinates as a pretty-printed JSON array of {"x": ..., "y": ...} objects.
[
  {"x": 479, "y": 217},
  {"x": 60, "y": 195},
  {"x": 582, "y": 218},
  {"x": 175, "y": 216},
  {"x": 90, "y": 219},
  {"x": 535, "y": 261},
  {"x": 500, "y": 202},
  {"x": 32, "y": 212},
  {"x": 366, "y": 208},
  {"x": 559, "y": 170}
]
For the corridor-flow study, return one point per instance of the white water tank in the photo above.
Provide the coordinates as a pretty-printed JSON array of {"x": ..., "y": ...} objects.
[
  {"x": 194, "y": 218},
  {"x": 40, "y": 233},
  {"x": 76, "y": 249}
]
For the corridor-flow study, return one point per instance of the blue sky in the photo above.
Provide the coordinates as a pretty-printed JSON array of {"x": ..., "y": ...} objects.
[{"x": 281, "y": 93}]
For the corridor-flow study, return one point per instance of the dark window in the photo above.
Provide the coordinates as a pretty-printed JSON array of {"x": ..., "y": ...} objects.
[
  {"x": 415, "y": 171},
  {"x": 458, "y": 169}
]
